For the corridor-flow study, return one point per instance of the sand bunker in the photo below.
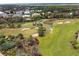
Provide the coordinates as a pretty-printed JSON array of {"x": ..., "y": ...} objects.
[
  {"x": 68, "y": 22},
  {"x": 35, "y": 35},
  {"x": 25, "y": 29},
  {"x": 1, "y": 54},
  {"x": 60, "y": 23},
  {"x": 36, "y": 27}
]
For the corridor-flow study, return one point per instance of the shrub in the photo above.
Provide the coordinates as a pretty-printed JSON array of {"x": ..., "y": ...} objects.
[
  {"x": 19, "y": 26},
  {"x": 7, "y": 45},
  {"x": 41, "y": 30}
]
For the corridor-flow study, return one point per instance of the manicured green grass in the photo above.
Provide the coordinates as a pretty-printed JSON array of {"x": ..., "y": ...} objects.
[{"x": 58, "y": 43}]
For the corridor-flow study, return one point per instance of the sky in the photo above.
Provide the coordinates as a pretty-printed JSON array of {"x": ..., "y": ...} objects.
[{"x": 37, "y": 1}]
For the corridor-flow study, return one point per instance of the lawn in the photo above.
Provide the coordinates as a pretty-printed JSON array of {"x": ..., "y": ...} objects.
[{"x": 58, "y": 43}]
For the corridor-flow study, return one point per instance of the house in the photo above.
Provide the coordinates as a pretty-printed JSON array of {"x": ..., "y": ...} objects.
[
  {"x": 49, "y": 12},
  {"x": 7, "y": 11},
  {"x": 32, "y": 11},
  {"x": 26, "y": 16},
  {"x": 2, "y": 14},
  {"x": 70, "y": 13},
  {"x": 28, "y": 19},
  {"x": 18, "y": 14},
  {"x": 39, "y": 10},
  {"x": 43, "y": 13},
  {"x": 35, "y": 14},
  {"x": 27, "y": 12},
  {"x": 77, "y": 12},
  {"x": 55, "y": 11}
]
